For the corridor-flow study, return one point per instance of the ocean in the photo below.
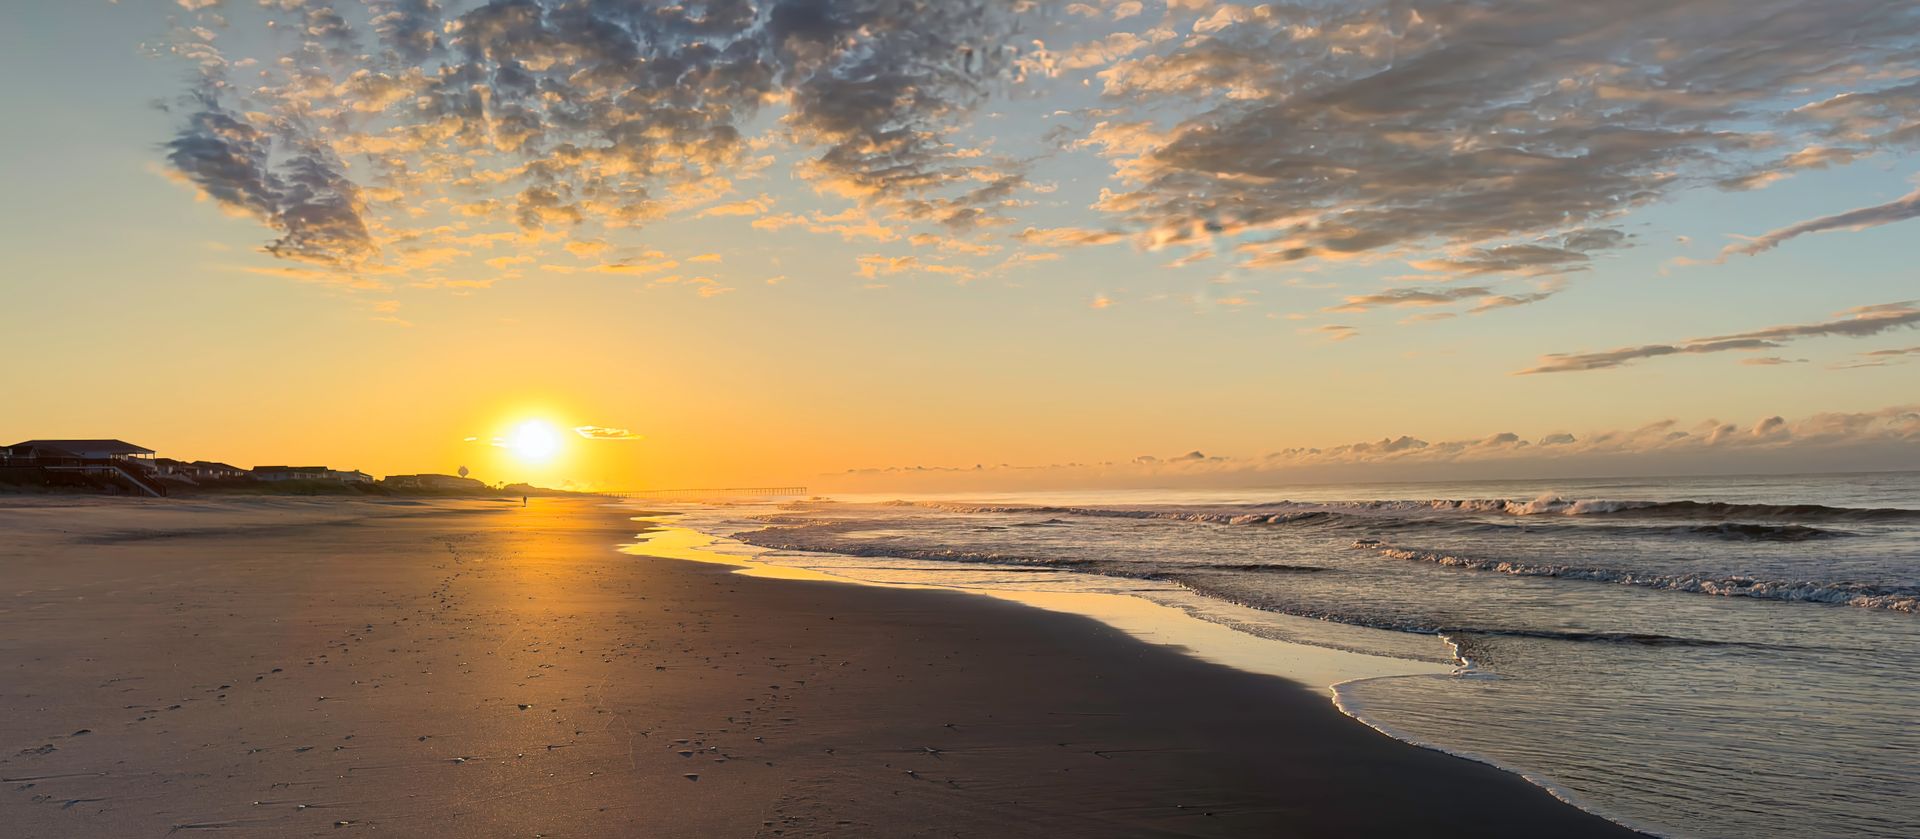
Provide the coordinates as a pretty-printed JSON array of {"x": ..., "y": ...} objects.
[{"x": 1694, "y": 657}]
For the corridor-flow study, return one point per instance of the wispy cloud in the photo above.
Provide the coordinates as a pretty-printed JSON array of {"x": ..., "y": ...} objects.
[
  {"x": 598, "y": 432},
  {"x": 1335, "y": 333},
  {"x": 1907, "y": 207},
  {"x": 1396, "y": 297},
  {"x": 1858, "y": 322}
]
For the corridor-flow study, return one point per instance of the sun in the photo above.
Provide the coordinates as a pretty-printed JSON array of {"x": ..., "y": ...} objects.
[{"x": 534, "y": 441}]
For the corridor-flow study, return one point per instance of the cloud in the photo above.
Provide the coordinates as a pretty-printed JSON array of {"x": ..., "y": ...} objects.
[
  {"x": 1877, "y": 358},
  {"x": 560, "y": 116},
  {"x": 306, "y": 196},
  {"x": 1563, "y": 254},
  {"x": 596, "y": 432},
  {"x": 1064, "y": 237},
  {"x": 1443, "y": 296},
  {"x": 1102, "y": 51},
  {"x": 1380, "y": 129},
  {"x": 1858, "y": 322},
  {"x": 1889, "y": 353},
  {"x": 750, "y": 207},
  {"x": 1508, "y": 301},
  {"x": 1820, "y": 436},
  {"x": 1396, "y": 297},
  {"x": 1907, "y": 207},
  {"x": 407, "y": 28},
  {"x": 1477, "y": 141}
]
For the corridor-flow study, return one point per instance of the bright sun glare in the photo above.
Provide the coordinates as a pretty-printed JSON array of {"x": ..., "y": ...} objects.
[{"x": 534, "y": 441}]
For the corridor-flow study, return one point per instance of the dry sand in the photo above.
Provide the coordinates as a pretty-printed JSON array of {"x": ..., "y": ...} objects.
[{"x": 279, "y": 667}]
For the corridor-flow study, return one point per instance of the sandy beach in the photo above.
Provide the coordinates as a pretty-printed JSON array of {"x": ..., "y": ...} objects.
[{"x": 280, "y": 667}]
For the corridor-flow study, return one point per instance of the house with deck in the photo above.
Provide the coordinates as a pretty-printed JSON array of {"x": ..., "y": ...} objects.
[
  {"x": 46, "y": 452},
  {"x": 117, "y": 462}
]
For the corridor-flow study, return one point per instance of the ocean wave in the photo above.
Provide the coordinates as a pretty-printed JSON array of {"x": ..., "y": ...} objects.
[
  {"x": 1254, "y": 566},
  {"x": 1726, "y": 510},
  {"x": 1285, "y": 512},
  {"x": 1463, "y": 639},
  {"x": 1553, "y": 505},
  {"x": 1411, "y": 515},
  {"x": 796, "y": 539},
  {"x": 1233, "y": 516},
  {"x": 1638, "y": 639},
  {"x": 1750, "y": 532},
  {"x": 1863, "y": 595}
]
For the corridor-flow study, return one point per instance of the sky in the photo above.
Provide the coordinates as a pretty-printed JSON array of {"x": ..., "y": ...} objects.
[{"x": 883, "y": 244}]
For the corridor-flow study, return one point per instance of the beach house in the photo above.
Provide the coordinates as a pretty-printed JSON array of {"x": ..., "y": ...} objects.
[
  {"x": 215, "y": 470},
  {"x": 117, "y": 463},
  {"x": 310, "y": 473},
  {"x": 198, "y": 470},
  {"x": 44, "y": 452},
  {"x": 433, "y": 482}
]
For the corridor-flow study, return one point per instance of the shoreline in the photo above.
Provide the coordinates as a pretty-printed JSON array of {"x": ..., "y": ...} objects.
[
  {"x": 1320, "y": 668},
  {"x": 299, "y": 676},
  {"x": 1317, "y": 668}
]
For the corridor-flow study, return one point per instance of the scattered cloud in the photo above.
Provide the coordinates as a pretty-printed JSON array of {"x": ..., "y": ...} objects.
[
  {"x": 1668, "y": 441},
  {"x": 564, "y": 119},
  {"x": 1858, "y": 322},
  {"x": 1337, "y": 131},
  {"x": 751, "y": 207},
  {"x": 1906, "y": 207},
  {"x": 1396, "y": 297},
  {"x": 1891, "y": 353},
  {"x": 1064, "y": 237}
]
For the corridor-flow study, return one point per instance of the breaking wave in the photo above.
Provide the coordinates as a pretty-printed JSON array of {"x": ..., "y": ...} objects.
[
  {"x": 1286, "y": 512},
  {"x": 1381, "y": 515},
  {"x": 808, "y": 539},
  {"x": 1863, "y": 595}
]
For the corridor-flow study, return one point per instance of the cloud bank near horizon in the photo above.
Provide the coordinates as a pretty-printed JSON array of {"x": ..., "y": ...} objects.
[{"x": 1708, "y": 444}]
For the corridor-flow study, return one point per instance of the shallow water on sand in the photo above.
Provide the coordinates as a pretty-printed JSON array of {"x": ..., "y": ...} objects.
[{"x": 1695, "y": 657}]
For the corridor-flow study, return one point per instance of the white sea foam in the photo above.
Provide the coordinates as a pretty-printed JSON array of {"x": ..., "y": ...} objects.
[{"x": 1894, "y": 598}]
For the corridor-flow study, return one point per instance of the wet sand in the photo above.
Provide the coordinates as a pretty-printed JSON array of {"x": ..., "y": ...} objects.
[{"x": 295, "y": 667}]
